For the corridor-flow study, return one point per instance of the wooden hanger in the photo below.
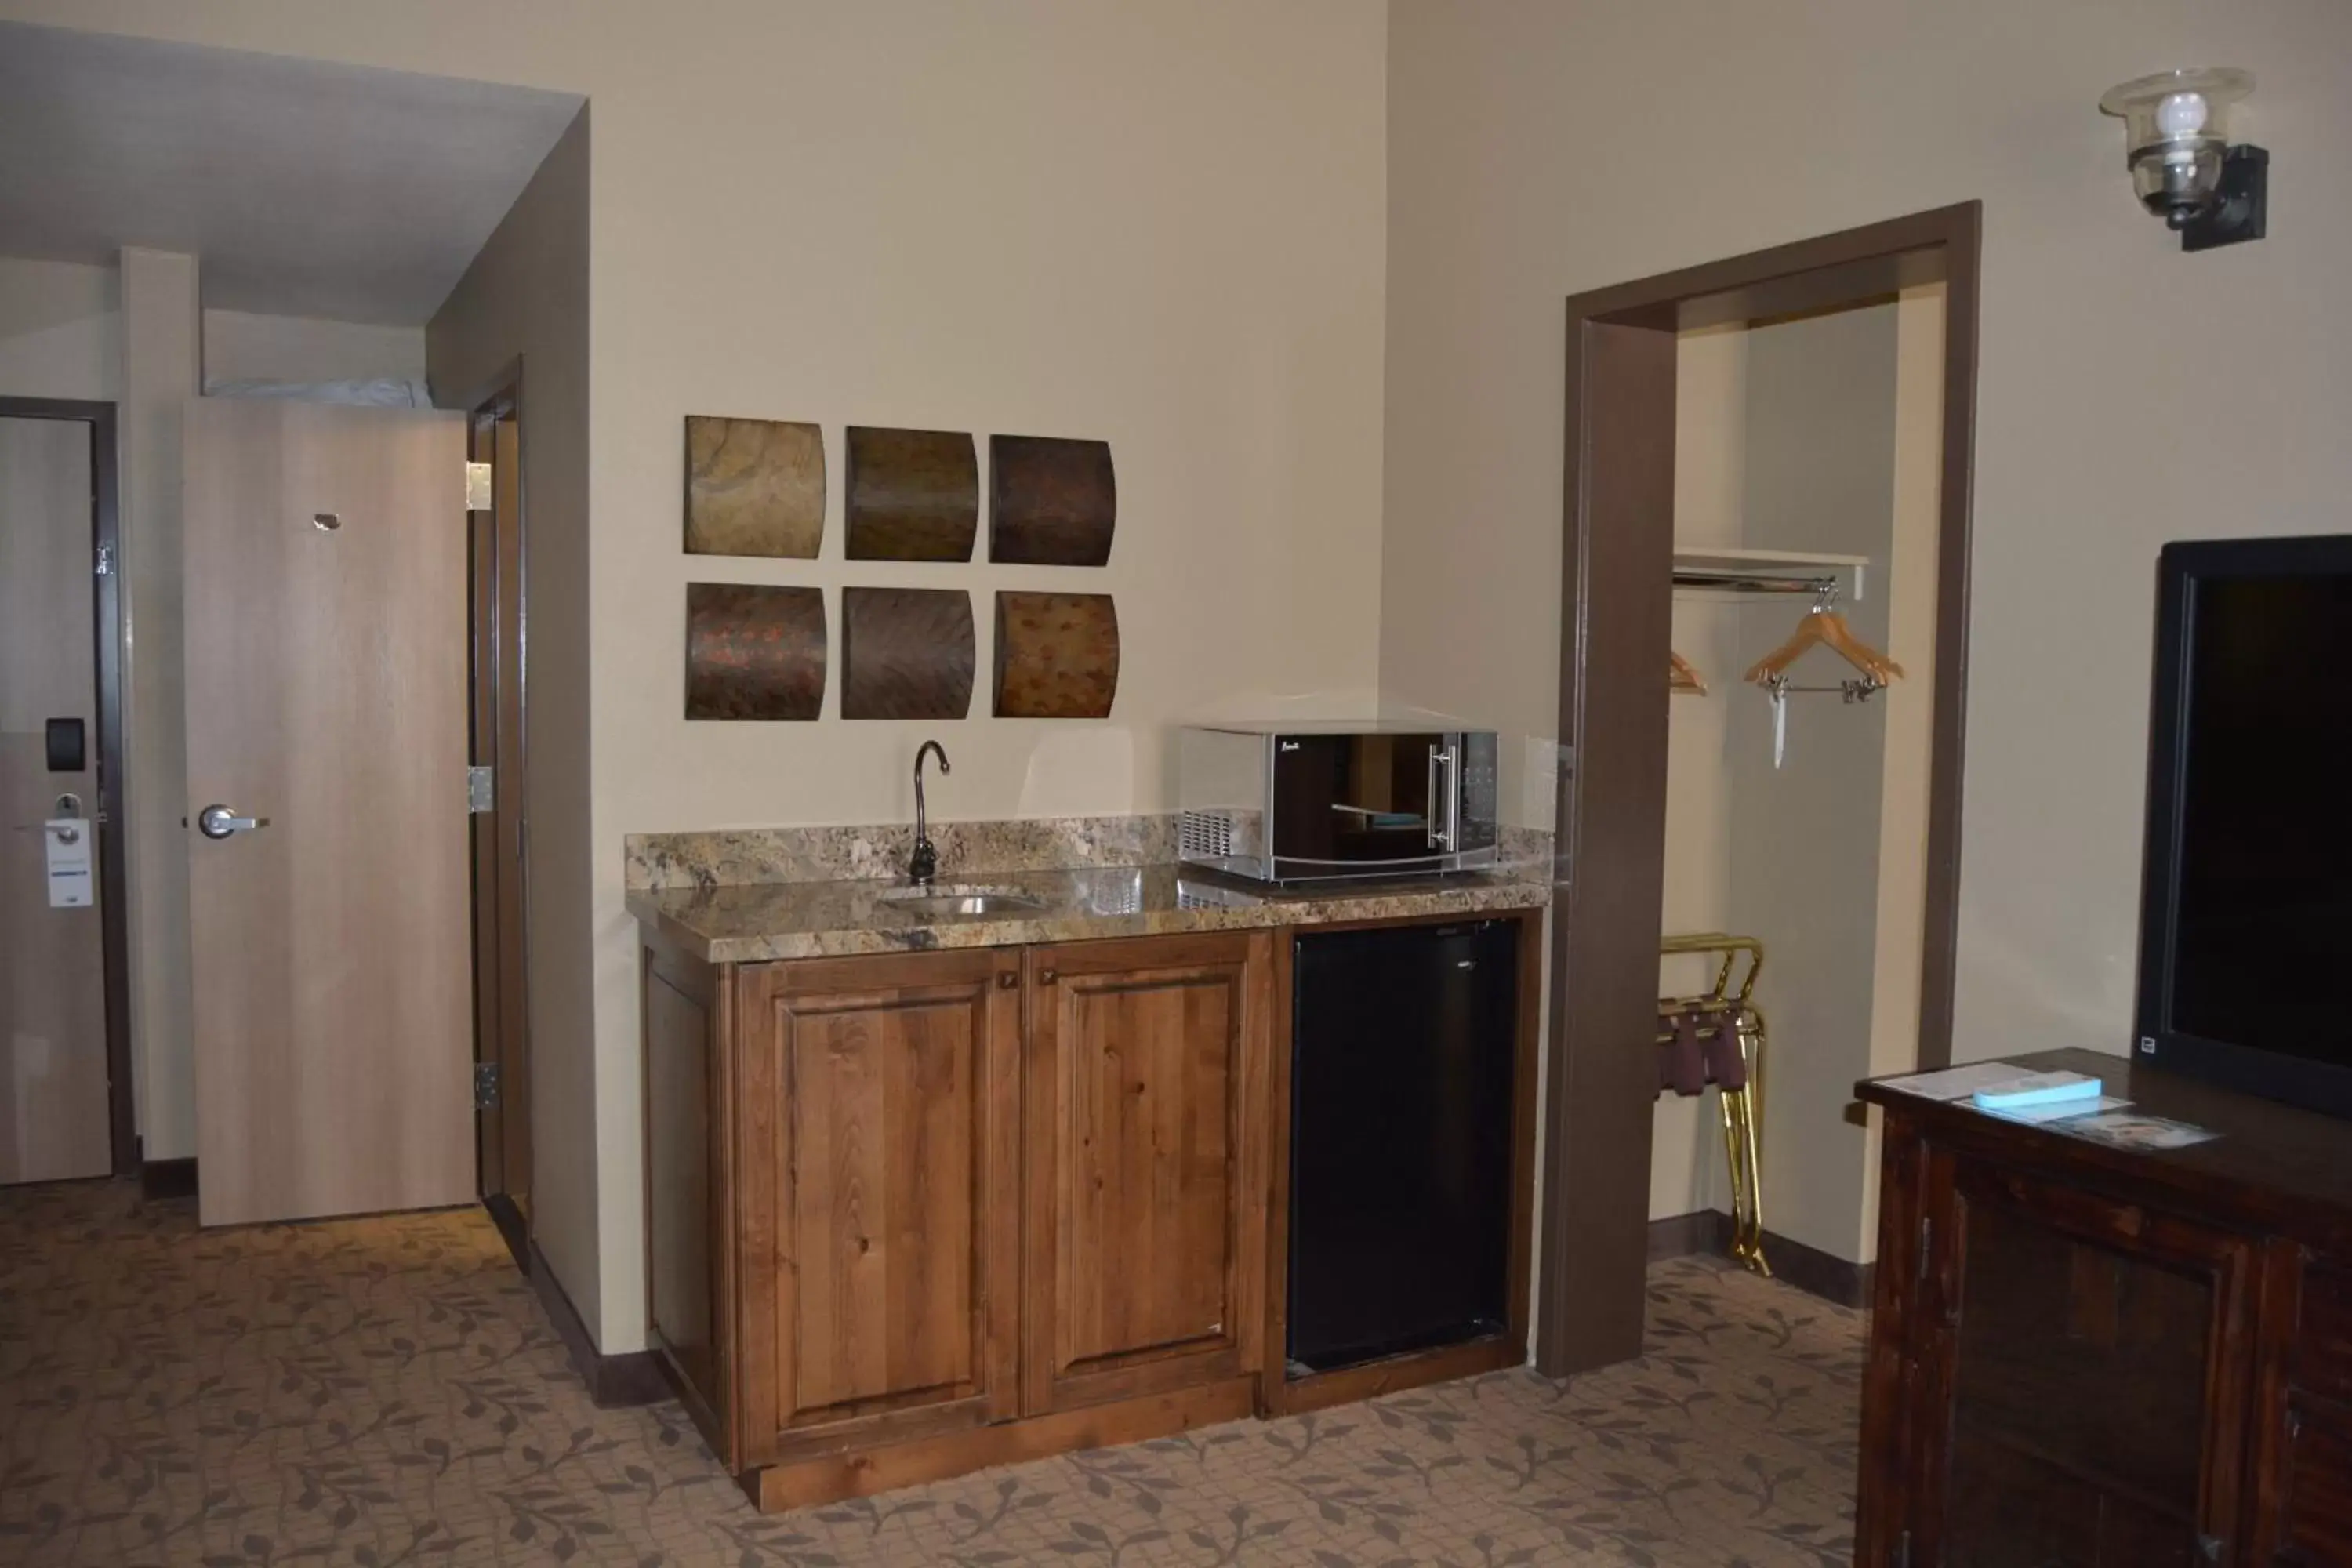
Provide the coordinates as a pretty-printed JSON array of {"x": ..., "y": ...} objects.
[
  {"x": 1825, "y": 628},
  {"x": 1681, "y": 678}
]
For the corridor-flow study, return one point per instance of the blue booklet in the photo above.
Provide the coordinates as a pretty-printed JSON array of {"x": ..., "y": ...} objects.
[{"x": 2035, "y": 1089}]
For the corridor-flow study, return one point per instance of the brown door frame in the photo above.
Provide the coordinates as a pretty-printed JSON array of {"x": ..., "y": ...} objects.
[
  {"x": 113, "y": 895},
  {"x": 499, "y": 638},
  {"x": 1616, "y": 602}
]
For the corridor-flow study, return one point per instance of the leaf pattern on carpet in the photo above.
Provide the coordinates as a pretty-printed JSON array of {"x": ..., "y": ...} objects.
[{"x": 388, "y": 1392}]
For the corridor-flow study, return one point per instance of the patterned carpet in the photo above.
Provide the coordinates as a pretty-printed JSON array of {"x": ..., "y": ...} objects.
[{"x": 388, "y": 1392}]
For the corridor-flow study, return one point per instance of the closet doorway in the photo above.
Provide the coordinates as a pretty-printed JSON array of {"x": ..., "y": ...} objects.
[{"x": 1642, "y": 357}]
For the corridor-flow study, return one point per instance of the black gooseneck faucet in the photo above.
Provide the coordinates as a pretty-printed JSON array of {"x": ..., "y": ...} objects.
[{"x": 924, "y": 864}]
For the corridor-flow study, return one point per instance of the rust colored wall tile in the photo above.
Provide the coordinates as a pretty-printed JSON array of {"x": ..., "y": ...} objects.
[
  {"x": 753, "y": 652},
  {"x": 1056, "y": 655}
]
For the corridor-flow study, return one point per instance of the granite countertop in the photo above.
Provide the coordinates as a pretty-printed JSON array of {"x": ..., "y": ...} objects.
[{"x": 751, "y": 922}]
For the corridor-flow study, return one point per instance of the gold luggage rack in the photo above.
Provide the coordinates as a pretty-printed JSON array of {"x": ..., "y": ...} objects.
[{"x": 1731, "y": 1018}]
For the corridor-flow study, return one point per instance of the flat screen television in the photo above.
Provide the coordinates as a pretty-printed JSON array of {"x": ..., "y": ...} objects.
[{"x": 2246, "y": 903}]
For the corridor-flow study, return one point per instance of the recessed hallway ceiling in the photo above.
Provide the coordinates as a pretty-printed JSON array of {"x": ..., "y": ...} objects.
[{"x": 307, "y": 188}]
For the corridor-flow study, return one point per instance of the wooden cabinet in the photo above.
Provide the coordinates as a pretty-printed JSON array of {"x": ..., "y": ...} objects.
[
  {"x": 913, "y": 1213},
  {"x": 878, "y": 1126},
  {"x": 1145, "y": 1176},
  {"x": 2090, "y": 1357}
]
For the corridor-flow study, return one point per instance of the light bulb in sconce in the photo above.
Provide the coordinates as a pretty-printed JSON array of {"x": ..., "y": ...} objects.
[
  {"x": 2183, "y": 168},
  {"x": 2182, "y": 114}
]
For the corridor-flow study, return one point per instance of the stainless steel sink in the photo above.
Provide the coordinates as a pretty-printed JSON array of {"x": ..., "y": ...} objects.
[{"x": 947, "y": 902}]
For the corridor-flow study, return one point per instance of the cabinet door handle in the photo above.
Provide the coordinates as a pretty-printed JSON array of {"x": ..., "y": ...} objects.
[
  {"x": 1046, "y": 977},
  {"x": 1007, "y": 979}
]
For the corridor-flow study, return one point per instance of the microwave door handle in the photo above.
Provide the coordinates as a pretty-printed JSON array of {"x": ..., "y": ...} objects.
[
  {"x": 1450, "y": 775},
  {"x": 1443, "y": 764}
]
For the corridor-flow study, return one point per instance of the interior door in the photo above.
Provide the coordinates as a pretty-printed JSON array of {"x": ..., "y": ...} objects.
[
  {"x": 326, "y": 637},
  {"x": 53, "y": 1070}
]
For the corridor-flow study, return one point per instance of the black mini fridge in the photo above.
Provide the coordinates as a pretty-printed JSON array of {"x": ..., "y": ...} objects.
[{"x": 1402, "y": 1040}]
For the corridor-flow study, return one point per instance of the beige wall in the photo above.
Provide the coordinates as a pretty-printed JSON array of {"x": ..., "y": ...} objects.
[
  {"x": 240, "y": 345},
  {"x": 60, "y": 331},
  {"x": 526, "y": 296},
  {"x": 2129, "y": 394},
  {"x": 1163, "y": 224}
]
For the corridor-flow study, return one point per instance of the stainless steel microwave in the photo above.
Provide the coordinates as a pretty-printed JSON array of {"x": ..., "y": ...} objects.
[{"x": 1297, "y": 803}]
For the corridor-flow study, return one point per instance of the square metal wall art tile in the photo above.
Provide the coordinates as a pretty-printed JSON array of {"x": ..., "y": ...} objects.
[
  {"x": 753, "y": 487},
  {"x": 754, "y": 652},
  {"x": 907, "y": 653},
  {"x": 1052, "y": 501},
  {"x": 1056, "y": 655},
  {"x": 914, "y": 495}
]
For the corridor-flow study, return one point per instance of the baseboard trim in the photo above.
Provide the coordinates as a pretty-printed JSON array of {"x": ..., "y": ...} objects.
[
  {"x": 162, "y": 1179},
  {"x": 1682, "y": 1235},
  {"x": 613, "y": 1381},
  {"x": 1810, "y": 1270}
]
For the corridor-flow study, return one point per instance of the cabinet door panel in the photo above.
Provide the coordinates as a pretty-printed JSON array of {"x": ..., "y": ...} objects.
[
  {"x": 2092, "y": 1369},
  {"x": 883, "y": 1136},
  {"x": 881, "y": 1159},
  {"x": 1145, "y": 1166}
]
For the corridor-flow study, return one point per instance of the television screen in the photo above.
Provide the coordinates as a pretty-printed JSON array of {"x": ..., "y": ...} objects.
[{"x": 2250, "y": 907}]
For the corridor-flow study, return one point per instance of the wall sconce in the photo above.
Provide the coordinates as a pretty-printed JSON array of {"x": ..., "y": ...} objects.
[{"x": 2176, "y": 144}]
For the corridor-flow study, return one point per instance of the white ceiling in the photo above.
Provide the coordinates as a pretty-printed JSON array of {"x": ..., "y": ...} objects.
[{"x": 309, "y": 189}]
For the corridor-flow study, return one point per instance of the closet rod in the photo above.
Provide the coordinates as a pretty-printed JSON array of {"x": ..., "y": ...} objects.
[{"x": 1824, "y": 588}]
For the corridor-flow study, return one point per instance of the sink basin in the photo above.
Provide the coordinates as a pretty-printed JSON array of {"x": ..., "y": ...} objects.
[{"x": 944, "y": 902}]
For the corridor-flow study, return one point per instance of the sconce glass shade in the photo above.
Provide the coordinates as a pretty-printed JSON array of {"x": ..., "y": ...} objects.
[{"x": 2175, "y": 128}]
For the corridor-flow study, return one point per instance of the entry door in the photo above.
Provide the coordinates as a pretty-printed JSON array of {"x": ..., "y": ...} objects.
[
  {"x": 327, "y": 809},
  {"x": 52, "y": 1075}
]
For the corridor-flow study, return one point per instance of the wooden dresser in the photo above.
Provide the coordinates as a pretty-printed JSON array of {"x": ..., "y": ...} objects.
[{"x": 2084, "y": 1357}]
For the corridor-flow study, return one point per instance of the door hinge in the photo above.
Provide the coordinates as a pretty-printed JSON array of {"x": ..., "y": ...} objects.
[
  {"x": 485, "y": 1086},
  {"x": 478, "y": 487},
  {"x": 1926, "y": 1243},
  {"x": 481, "y": 790},
  {"x": 106, "y": 561}
]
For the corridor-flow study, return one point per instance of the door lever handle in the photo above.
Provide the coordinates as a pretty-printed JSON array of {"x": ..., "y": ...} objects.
[{"x": 223, "y": 822}]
